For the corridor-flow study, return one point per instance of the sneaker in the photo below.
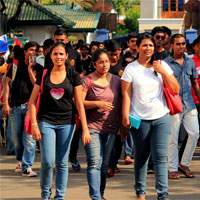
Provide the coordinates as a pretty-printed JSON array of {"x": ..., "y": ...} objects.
[
  {"x": 18, "y": 168},
  {"x": 76, "y": 166},
  {"x": 29, "y": 172}
]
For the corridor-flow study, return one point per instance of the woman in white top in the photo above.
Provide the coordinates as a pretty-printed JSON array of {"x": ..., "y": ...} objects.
[{"x": 142, "y": 90}]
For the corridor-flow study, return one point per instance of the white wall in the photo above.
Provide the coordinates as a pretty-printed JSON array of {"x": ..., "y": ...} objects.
[
  {"x": 151, "y": 16},
  {"x": 146, "y": 8}
]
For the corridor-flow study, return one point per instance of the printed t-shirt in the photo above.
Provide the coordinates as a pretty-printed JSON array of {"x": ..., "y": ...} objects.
[{"x": 56, "y": 104}]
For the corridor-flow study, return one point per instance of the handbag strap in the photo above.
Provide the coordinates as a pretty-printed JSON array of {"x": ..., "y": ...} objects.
[{"x": 42, "y": 82}]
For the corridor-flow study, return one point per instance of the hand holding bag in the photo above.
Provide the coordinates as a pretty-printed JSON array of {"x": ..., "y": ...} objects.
[{"x": 174, "y": 101}]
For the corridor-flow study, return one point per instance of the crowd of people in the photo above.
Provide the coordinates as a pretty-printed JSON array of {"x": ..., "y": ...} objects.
[{"x": 111, "y": 96}]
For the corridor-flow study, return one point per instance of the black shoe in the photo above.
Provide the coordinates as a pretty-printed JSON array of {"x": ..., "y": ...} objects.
[{"x": 76, "y": 166}]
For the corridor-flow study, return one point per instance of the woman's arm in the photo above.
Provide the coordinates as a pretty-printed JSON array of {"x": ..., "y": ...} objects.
[
  {"x": 168, "y": 79},
  {"x": 33, "y": 115},
  {"x": 81, "y": 111},
  {"x": 95, "y": 104},
  {"x": 171, "y": 81},
  {"x": 126, "y": 102},
  {"x": 6, "y": 94},
  {"x": 32, "y": 74}
]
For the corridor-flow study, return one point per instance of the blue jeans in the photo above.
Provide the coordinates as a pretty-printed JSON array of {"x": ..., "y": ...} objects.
[
  {"x": 55, "y": 146},
  {"x": 25, "y": 144},
  {"x": 10, "y": 139},
  {"x": 98, "y": 153},
  {"x": 152, "y": 137},
  {"x": 129, "y": 145}
]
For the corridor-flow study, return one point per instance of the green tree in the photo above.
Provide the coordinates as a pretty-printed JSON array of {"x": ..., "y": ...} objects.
[
  {"x": 122, "y": 6},
  {"x": 131, "y": 20}
]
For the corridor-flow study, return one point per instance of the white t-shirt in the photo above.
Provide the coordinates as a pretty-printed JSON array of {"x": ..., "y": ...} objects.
[{"x": 147, "y": 101}]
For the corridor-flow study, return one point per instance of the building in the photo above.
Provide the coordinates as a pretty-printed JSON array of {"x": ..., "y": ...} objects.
[
  {"x": 34, "y": 21},
  {"x": 168, "y": 13},
  {"x": 85, "y": 23}
]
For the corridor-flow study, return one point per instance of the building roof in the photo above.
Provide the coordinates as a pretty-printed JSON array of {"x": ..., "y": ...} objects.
[
  {"x": 83, "y": 20},
  {"x": 34, "y": 14}
]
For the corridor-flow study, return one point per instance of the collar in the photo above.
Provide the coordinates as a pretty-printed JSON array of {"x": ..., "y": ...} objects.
[{"x": 171, "y": 59}]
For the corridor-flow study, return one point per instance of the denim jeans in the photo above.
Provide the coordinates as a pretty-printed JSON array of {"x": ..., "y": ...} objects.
[
  {"x": 189, "y": 119},
  {"x": 152, "y": 138},
  {"x": 55, "y": 146},
  {"x": 116, "y": 152},
  {"x": 10, "y": 139},
  {"x": 98, "y": 152},
  {"x": 75, "y": 145},
  {"x": 129, "y": 146},
  {"x": 25, "y": 144}
]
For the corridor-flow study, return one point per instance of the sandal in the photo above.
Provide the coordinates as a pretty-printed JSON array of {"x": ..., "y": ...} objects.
[
  {"x": 128, "y": 160},
  {"x": 186, "y": 171},
  {"x": 173, "y": 175}
]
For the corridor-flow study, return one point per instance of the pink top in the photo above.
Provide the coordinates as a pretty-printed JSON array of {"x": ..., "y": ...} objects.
[{"x": 98, "y": 119}]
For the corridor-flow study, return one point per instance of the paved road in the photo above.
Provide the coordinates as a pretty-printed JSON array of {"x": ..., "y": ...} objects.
[{"x": 15, "y": 187}]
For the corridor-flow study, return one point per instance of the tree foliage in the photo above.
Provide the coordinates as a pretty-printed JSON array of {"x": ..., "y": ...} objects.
[
  {"x": 122, "y": 6},
  {"x": 131, "y": 20}
]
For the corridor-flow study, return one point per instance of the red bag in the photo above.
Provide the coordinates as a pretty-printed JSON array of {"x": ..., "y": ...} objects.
[
  {"x": 173, "y": 100},
  {"x": 27, "y": 119}
]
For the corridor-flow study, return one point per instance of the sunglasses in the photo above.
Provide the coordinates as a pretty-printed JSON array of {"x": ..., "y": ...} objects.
[
  {"x": 158, "y": 37},
  {"x": 180, "y": 43}
]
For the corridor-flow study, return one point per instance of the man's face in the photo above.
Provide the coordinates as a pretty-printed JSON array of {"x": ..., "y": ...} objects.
[
  {"x": 61, "y": 38},
  {"x": 179, "y": 46},
  {"x": 132, "y": 44},
  {"x": 30, "y": 52},
  {"x": 114, "y": 57},
  {"x": 197, "y": 49},
  {"x": 159, "y": 38},
  {"x": 84, "y": 51}
]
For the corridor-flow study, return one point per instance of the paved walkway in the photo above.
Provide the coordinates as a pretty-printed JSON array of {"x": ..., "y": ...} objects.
[{"x": 15, "y": 187}]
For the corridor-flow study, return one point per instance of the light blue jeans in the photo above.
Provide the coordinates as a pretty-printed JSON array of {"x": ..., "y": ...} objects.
[
  {"x": 98, "y": 153},
  {"x": 25, "y": 144},
  {"x": 189, "y": 119},
  {"x": 55, "y": 146},
  {"x": 152, "y": 137}
]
